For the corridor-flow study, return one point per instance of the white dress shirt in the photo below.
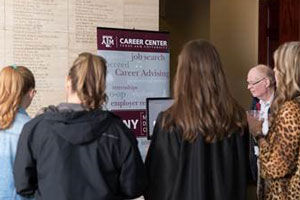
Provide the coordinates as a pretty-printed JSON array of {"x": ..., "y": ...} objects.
[{"x": 264, "y": 114}]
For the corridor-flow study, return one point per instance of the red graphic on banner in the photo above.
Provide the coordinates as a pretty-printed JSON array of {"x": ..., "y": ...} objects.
[{"x": 135, "y": 120}]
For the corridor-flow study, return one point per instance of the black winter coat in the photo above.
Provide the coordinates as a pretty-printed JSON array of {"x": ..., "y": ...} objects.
[
  {"x": 78, "y": 155},
  {"x": 180, "y": 170}
]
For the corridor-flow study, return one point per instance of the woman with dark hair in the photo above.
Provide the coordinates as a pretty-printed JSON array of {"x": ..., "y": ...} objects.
[
  {"x": 199, "y": 149},
  {"x": 76, "y": 150},
  {"x": 279, "y": 151},
  {"x": 16, "y": 93}
]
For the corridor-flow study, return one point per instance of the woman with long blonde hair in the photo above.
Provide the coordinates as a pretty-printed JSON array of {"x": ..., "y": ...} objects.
[
  {"x": 198, "y": 149},
  {"x": 16, "y": 93},
  {"x": 279, "y": 151}
]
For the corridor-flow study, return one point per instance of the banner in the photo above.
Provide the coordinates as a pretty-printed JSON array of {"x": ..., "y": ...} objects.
[{"x": 138, "y": 67}]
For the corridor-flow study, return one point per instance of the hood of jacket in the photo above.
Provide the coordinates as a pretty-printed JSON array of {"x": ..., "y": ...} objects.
[{"x": 77, "y": 125}]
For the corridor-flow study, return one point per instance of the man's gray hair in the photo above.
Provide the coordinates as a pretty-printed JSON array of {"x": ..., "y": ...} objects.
[{"x": 267, "y": 72}]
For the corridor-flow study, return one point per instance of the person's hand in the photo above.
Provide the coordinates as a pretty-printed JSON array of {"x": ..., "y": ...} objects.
[{"x": 255, "y": 125}]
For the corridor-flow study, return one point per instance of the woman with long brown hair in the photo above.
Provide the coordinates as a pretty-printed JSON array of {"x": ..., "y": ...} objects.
[
  {"x": 198, "y": 149},
  {"x": 279, "y": 151},
  {"x": 77, "y": 150},
  {"x": 16, "y": 93}
]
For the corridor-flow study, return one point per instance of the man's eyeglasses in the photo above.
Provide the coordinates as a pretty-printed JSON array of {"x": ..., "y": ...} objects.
[{"x": 255, "y": 83}]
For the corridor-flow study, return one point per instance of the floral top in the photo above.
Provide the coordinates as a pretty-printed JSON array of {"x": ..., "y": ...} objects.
[{"x": 8, "y": 146}]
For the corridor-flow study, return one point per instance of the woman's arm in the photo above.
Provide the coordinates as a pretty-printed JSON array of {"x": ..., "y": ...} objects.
[
  {"x": 133, "y": 179},
  {"x": 25, "y": 174},
  {"x": 161, "y": 163}
]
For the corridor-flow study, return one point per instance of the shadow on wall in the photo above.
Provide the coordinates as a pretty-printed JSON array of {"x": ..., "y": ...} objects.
[{"x": 184, "y": 20}]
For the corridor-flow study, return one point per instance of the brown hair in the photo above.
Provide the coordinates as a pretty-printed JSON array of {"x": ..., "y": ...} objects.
[
  {"x": 15, "y": 82},
  {"x": 88, "y": 79},
  {"x": 287, "y": 64},
  {"x": 203, "y": 103}
]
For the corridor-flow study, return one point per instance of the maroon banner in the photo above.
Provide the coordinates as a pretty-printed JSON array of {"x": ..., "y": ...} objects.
[
  {"x": 135, "y": 120},
  {"x": 132, "y": 40}
]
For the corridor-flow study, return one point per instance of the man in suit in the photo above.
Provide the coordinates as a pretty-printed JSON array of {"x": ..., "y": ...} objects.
[{"x": 261, "y": 84}]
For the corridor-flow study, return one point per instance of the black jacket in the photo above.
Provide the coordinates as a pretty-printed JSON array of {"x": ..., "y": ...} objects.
[
  {"x": 78, "y": 155},
  {"x": 180, "y": 170},
  {"x": 253, "y": 158}
]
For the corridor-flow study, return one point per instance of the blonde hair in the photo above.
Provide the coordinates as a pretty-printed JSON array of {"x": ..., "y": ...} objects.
[
  {"x": 88, "y": 80},
  {"x": 287, "y": 65},
  {"x": 203, "y": 103},
  {"x": 15, "y": 82}
]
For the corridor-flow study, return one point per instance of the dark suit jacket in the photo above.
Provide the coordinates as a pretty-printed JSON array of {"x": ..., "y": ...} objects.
[
  {"x": 255, "y": 105},
  {"x": 253, "y": 158}
]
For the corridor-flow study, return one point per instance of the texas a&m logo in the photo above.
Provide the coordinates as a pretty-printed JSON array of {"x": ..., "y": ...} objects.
[{"x": 107, "y": 40}]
